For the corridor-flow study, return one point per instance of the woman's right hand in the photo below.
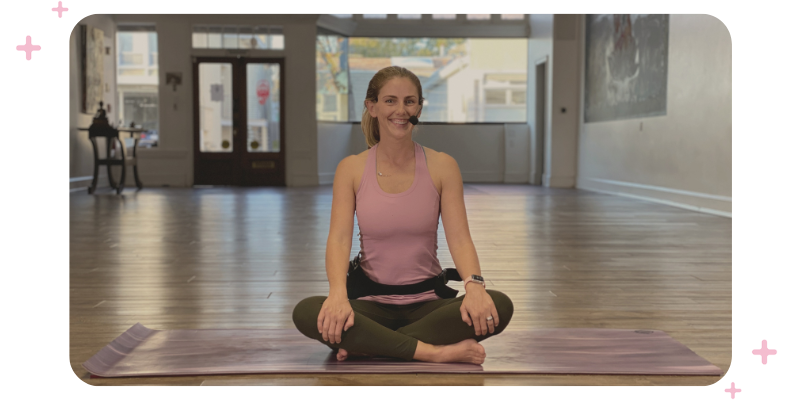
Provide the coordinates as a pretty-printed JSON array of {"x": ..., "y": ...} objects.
[{"x": 336, "y": 314}]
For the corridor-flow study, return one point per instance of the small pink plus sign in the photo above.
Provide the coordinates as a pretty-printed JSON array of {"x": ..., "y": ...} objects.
[
  {"x": 28, "y": 47},
  {"x": 764, "y": 352},
  {"x": 733, "y": 390},
  {"x": 60, "y": 9}
]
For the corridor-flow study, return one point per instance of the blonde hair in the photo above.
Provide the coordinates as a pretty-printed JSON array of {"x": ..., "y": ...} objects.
[{"x": 369, "y": 124}]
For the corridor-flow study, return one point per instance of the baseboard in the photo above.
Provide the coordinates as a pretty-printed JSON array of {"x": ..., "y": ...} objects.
[
  {"x": 158, "y": 180},
  {"x": 299, "y": 180},
  {"x": 556, "y": 181},
  {"x": 83, "y": 182},
  {"x": 515, "y": 177},
  {"x": 482, "y": 177},
  {"x": 535, "y": 179},
  {"x": 695, "y": 201},
  {"x": 160, "y": 154}
]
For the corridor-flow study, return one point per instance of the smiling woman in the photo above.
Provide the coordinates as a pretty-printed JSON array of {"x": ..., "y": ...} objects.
[
  {"x": 400, "y": 99},
  {"x": 392, "y": 300}
]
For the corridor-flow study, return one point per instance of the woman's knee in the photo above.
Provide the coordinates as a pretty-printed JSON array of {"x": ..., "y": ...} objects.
[
  {"x": 503, "y": 304},
  {"x": 306, "y": 312}
]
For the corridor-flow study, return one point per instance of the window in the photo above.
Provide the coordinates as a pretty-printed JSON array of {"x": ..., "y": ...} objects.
[
  {"x": 409, "y": 16},
  {"x": 444, "y": 16},
  {"x": 512, "y": 17},
  {"x": 479, "y": 17},
  {"x": 332, "y": 78},
  {"x": 463, "y": 79},
  {"x": 137, "y": 80},
  {"x": 343, "y": 15},
  {"x": 374, "y": 16},
  {"x": 494, "y": 96},
  {"x": 237, "y": 37}
]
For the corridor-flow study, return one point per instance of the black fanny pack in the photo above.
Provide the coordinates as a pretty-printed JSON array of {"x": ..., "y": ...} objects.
[{"x": 359, "y": 284}]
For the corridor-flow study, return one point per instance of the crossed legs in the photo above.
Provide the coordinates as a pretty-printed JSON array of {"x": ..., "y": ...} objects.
[{"x": 395, "y": 331}]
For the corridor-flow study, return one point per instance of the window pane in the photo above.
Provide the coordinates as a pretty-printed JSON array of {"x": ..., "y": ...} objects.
[
  {"x": 518, "y": 97},
  {"x": 479, "y": 17},
  {"x": 237, "y": 37},
  {"x": 444, "y": 16},
  {"x": 343, "y": 15},
  {"x": 246, "y": 39},
  {"x": 374, "y": 16},
  {"x": 131, "y": 59},
  {"x": 495, "y": 97},
  {"x": 131, "y": 71},
  {"x": 263, "y": 108},
  {"x": 261, "y": 35},
  {"x": 125, "y": 41},
  {"x": 409, "y": 16},
  {"x": 230, "y": 38},
  {"x": 215, "y": 37},
  {"x": 332, "y": 78},
  {"x": 199, "y": 40},
  {"x": 152, "y": 41},
  {"x": 512, "y": 16},
  {"x": 137, "y": 83},
  {"x": 216, "y": 107},
  {"x": 276, "y": 37},
  {"x": 463, "y": 80}
]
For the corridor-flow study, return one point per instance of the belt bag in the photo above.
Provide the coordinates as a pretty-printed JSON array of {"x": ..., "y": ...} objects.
[{"x": 359, "y": 284}]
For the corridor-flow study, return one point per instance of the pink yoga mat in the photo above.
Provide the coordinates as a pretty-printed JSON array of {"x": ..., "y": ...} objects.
[{"x": 141, "y": 351}]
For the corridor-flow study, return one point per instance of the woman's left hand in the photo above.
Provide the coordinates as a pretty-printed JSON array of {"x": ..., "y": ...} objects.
[{"x": 476, "y": 307}]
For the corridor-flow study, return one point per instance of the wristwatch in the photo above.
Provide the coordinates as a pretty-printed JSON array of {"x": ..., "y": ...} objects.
[{"x": 476, "y": 279}]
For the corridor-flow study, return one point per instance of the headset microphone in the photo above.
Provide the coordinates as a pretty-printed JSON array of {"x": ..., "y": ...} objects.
[{"x": 413, "y": 119}]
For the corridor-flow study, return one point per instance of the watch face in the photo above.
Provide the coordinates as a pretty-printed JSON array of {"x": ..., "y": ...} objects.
[{"x": 477, "y": 278}]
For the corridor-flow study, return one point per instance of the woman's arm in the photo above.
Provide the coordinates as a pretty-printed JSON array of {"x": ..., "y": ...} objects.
[
  {"x": 477, "y": 308},
  {"x": 454, "y": 220},
  {"x": 336, "y": 313},
  {"x": 340, "y": 236}
]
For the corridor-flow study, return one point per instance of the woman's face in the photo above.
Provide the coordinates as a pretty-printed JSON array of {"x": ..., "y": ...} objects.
[{"x": 397, "y": 101}]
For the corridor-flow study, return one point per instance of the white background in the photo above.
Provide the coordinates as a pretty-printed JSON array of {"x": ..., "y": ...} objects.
[{"x": 35, "y": 215}]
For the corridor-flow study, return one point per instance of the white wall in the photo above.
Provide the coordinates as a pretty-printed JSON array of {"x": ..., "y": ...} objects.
[
  {"x": 561, "y": 159},
  {"x": 171, "y": 163},
  {"x": 540, "y": 50},
  {"x": 684, "y": 157}
]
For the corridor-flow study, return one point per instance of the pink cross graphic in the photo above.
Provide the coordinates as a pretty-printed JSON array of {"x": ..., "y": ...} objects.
[
  {"x": 764, "y": 352},
  {"x": 733, "y": 390},
  {"x": 28, "y": 47},
  {"x": 60, "y": 9}
]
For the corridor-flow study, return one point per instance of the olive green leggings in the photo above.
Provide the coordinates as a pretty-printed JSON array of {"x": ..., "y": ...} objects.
[{"x": 393, "y": 330}]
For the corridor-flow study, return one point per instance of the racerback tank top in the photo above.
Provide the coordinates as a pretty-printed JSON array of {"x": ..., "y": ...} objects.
[{"x": 398, "y": 232}]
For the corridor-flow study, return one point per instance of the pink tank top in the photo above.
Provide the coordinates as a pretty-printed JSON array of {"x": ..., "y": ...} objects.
[{"x": 398, "y": 232}]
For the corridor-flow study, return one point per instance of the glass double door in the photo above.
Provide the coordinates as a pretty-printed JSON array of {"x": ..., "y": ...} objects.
[{"x": 238, "y": 119}]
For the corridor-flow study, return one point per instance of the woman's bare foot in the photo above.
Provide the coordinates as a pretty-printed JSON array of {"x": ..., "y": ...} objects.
[
  {"x": 465, "y": 351},
  {"x": 343, "y": 354}
]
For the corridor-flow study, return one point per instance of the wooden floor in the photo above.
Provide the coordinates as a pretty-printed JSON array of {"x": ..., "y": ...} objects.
[{"x": 243, "y": 257}]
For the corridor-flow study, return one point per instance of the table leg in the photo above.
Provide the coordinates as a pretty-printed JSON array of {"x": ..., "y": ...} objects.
[
  {"x": 96, "y": 166},
  {"x": 111, "y": 181}
]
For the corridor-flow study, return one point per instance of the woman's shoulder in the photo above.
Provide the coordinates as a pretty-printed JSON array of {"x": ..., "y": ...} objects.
[{"x": 355, "y": 165}]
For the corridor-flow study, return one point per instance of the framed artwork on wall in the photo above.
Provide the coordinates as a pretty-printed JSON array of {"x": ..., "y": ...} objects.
[
  {"x": 626, "y": 66},
  {"x": 91, "y": 47}
]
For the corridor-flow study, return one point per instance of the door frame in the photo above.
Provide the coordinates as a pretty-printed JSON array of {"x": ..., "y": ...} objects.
[{"x": 240, "y": 157}]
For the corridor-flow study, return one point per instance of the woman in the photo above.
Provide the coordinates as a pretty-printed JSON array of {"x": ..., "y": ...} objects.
[{"x": 397, "y": 189}]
